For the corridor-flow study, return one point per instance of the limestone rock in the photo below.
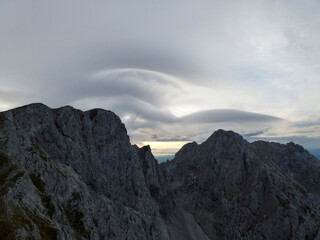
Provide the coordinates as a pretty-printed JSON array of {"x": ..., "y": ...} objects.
[
  {"x": 69, "y": 174},
  {"x": 238, "y": 190}
]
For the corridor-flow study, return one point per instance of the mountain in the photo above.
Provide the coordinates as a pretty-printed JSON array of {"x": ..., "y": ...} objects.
[
  {"x": 69, "y": 174},
  {"x": 315, "y": 152}
]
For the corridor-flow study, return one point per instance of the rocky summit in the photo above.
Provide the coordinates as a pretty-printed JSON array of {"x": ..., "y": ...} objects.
[{"x": 69, "y": 174}]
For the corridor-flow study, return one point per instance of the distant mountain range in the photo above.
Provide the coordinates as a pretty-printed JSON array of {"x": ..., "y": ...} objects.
[
  {"x": 68, "y": 174},
  {"x": 315, "y": 152}
]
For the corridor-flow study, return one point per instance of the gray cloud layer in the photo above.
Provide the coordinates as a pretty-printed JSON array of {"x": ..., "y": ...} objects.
[
  {"x": 143, "y": 98},
  {"x": 259, "y": 58},
  {"x": 226, "y": 115}
]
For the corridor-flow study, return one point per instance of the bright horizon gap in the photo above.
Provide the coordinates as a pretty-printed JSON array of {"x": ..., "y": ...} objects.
[{"x": 164, "y": 148}]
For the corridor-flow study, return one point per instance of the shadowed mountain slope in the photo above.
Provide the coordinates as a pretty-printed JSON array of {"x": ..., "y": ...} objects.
[{"x": 68, "y": 174}]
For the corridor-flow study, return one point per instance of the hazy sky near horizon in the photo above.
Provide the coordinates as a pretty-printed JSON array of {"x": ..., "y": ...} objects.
[{"x": 174, "y": 71}]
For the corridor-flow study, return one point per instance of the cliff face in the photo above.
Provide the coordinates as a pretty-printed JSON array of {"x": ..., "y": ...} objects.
[
  {"x": 68, "y": 174},
  {"x": 238, "y": 190}
]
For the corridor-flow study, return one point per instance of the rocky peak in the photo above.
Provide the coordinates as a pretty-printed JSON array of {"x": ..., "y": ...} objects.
[
  {"x": 69, "y": 174},
  {"x": 221, "y": 174},
  {"x": 295, "y": 146},
  {"x": 187, "y": 148},
  {"x": 223, "y": 136},
  {"x": 77, "y": 173},
  {"x": 144, "y": 150}
]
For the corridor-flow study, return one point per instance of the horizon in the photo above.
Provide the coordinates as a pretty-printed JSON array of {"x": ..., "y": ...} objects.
[
  {"x": 166, "y": 150},
  {"x": 174, "y": 72}
]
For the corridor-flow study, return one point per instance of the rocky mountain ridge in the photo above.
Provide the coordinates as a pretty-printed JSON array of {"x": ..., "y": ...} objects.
[{"x": 68, "y": 174}]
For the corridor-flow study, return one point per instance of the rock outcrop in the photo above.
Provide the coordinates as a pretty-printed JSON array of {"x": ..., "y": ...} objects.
[
  {"x": 68, "y": 174},
  {"x": 240, "y": 190}
]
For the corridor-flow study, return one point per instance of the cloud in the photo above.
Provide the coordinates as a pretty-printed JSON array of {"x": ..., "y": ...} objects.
[
  {"x": 226, "y": 115},
  {"x": 307, "y": 142},
  {"x": 171, "y": 70},
  {"x": 10, "y": 97},
  {"x": 254, "y": 134},
  {"x": 145, "y": 99}
]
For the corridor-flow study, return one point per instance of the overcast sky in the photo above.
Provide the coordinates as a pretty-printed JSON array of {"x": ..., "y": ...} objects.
[{"x": 172, "y": 70}]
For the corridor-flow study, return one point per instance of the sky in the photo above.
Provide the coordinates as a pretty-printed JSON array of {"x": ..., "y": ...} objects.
[{"x": 174, "y": 71}]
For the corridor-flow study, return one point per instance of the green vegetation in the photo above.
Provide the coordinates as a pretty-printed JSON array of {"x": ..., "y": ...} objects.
[
  {"x": 46, "y": 199},
  {"x": 75, "y": 217},
  {"x": 283, "y": 202},
  {"x": 38, "y": 149},
  {"x": 6, "y": 230},
  {"x": 5, "y": 173},
  {"x": 19, "y": 219},
  {"x": 145, "y": 166},
  {"x": 154, "y": 190},
  {"x": 3, "y": 119},
  {"x": 16, "y": 177},
  {"x": 8, "y": 225},
  {"x": 37, "y": 182},
  {"x": 306, "y": 209},
  {"x": 22, "y": 218},
  {"x": 75, "y": 197},
  {"x": 4, "y": 160},
  {"x": 47, "y": 231},
  {"x": 8, "y": 173}
]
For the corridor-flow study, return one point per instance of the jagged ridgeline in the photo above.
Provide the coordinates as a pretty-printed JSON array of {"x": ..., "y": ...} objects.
[{"x": 68, "y": 174}]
